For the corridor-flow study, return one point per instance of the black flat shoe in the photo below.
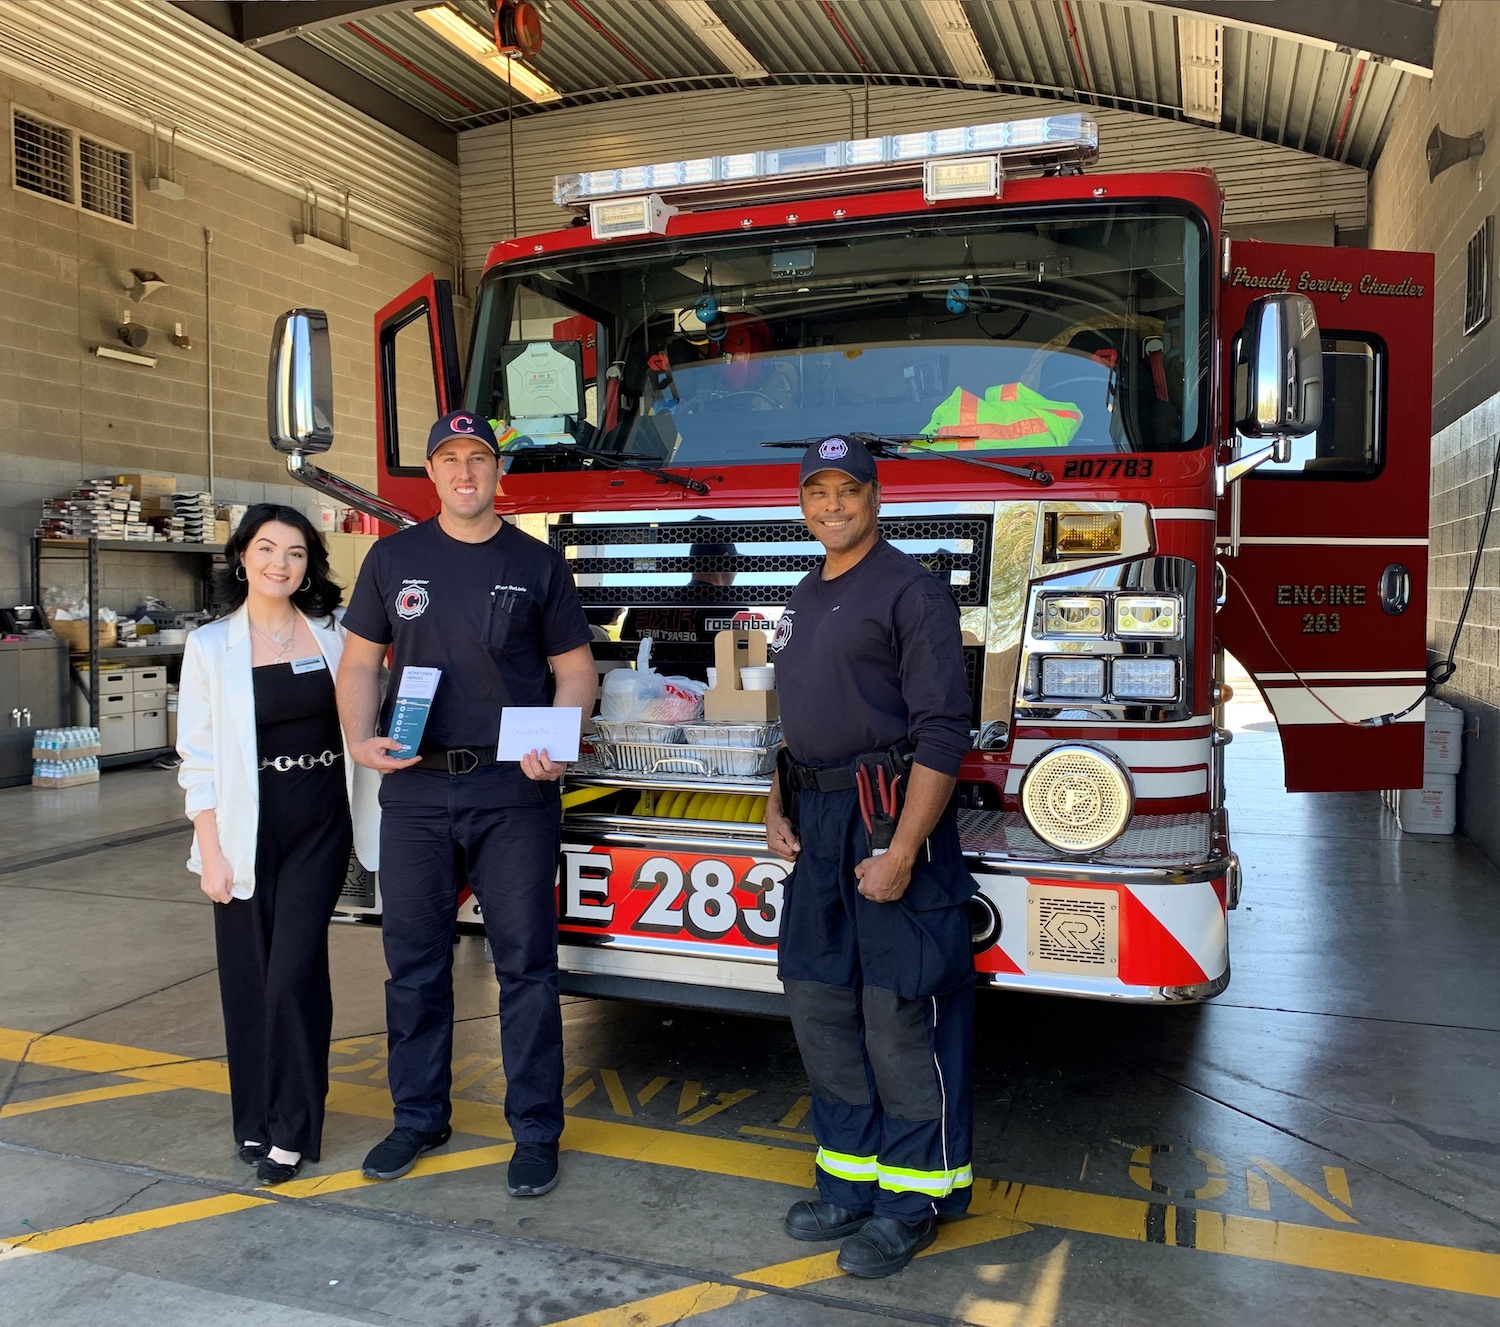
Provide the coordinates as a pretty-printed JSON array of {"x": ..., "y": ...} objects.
[
  {"x": 273, "y": 1172},
  {"x": 253, "y": 1153},
  {"x": 884, "y": 1245},
  {"x": 814, "y": 1221}
]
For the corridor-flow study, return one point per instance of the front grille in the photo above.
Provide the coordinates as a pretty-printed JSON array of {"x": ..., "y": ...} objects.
[
  {"x": 622, "y": 565},
  {"x": 1148, "y": 841}
]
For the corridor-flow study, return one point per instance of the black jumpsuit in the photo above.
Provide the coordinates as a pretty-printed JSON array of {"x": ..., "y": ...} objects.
[{"x": 273, "y": 946}]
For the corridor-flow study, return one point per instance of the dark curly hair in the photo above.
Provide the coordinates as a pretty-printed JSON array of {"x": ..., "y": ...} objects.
[{"x": 321, "y": 595}]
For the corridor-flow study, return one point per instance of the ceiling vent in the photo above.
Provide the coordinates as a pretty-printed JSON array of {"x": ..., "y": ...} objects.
[{"x": 1478, "y": 282}]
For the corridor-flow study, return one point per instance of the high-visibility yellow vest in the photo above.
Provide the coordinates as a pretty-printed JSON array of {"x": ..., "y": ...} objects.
[{"x": 1010, "y": 414}]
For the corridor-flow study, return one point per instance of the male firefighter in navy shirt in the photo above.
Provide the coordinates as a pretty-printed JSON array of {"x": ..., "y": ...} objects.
[{"x": 874, "y": 946}]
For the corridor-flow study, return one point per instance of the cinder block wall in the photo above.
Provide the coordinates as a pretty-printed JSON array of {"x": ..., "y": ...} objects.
[
  {"x": 1409, "y": 212},
  {"x": 66, "y": 415}
]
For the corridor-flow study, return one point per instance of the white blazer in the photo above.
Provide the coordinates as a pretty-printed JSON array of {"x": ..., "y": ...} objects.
[{"x": 220, "y": 768}]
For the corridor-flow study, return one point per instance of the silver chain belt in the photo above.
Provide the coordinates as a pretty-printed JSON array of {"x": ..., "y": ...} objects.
[{"x": 283, "y": 763}]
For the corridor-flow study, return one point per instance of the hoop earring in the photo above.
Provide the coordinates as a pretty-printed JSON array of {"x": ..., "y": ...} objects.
[
  {"x": 305, "y": 586},
  {"x": 239, "y": 572}
]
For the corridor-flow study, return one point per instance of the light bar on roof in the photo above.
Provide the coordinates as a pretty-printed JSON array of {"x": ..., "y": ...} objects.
[{"x": 849, "y": 164}]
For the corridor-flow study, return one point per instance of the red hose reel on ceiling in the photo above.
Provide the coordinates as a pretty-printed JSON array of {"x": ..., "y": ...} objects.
[{"x": 518, "y": 28}]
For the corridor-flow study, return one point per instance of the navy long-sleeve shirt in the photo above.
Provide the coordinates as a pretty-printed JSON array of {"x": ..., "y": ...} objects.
[{"x": 869, "y": 658}]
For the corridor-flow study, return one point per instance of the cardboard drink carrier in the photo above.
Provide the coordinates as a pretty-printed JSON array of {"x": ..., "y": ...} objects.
[{"x": 727, "y": 701}]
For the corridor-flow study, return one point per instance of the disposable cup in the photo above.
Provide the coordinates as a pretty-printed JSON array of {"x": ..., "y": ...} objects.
[{"x": 761, "y": 678}]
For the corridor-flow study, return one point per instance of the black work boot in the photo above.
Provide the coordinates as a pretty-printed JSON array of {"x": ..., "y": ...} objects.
[
  {"x": 814, "y": 1221},
  {"x": 397, "y": 1153},
  {"x": 884, "y": 1245}
]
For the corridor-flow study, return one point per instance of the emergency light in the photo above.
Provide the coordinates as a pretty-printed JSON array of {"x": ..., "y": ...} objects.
[{"x": 990, "y": 151}]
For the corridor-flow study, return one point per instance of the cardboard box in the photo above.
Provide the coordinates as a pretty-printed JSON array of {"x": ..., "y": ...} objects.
[
  {"x": 219, "y": 533},
  {"x": 727, "y": 701},
  {"x": 145, "y": 486}
]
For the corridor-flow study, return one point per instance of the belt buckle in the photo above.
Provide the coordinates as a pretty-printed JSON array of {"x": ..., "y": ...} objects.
[{"x": 468, "y": 755}]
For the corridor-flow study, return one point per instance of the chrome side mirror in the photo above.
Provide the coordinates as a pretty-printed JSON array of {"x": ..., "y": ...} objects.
[
  {"x": 1278, "y": 371},
  {"x": 299, "y": 392}
]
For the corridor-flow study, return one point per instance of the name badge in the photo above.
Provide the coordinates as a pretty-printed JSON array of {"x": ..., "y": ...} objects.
[{"x": 308, "y": 665}]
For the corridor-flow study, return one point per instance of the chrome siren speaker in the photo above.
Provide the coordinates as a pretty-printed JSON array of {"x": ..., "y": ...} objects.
[{"x": 1077, "y": 798}]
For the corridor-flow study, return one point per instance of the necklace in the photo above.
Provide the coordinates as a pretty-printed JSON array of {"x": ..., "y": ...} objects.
[{"x": 282, "y": 646}]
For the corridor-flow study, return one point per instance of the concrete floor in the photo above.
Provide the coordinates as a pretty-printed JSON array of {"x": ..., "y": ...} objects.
[{"x": 1318, "y": 1145}]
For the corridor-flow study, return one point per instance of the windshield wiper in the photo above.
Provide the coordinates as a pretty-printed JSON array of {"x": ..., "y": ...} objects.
[
  {"x": 613, "y": 461},
  {"x": 902, "y": 446}
]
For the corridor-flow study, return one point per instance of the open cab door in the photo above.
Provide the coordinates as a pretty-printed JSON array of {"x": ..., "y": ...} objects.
[
  {"x": 417, "y": 378},
  {"x": 1324, "y": 556}
]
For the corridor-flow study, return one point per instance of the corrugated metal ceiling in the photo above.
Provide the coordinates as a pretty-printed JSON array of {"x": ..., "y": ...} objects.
[{"x": 1275, "y": 88}]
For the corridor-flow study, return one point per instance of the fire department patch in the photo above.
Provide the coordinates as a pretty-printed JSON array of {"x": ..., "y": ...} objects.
[
  {"x": 411, "y": 600},
  {"x": 833, "y": 449},
  {"x": 784, "y": 627}
]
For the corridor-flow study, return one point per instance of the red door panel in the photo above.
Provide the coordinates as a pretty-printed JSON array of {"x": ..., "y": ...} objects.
[
  {"x": 417, "y": 378},
  {"x": 1304, "y": 610}
]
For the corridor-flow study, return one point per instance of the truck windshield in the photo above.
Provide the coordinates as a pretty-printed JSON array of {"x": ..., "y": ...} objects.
[{"x": 1015, "y": 333}]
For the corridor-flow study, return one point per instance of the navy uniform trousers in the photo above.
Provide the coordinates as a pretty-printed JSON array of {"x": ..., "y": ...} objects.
[
  {"x": 882, "y": 1004},
  {"x": 500, "y": 832}
]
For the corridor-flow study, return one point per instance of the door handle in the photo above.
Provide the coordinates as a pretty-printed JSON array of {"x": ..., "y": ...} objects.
[
  {"x": 1395, "y": 589},
  {"x": 26, "y": 718},
  {"x": 15, "y": 718}
]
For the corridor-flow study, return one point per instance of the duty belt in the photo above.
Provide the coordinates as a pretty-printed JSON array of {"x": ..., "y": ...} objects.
[
  {"x": 281, "y": 764},
  {"x": 456, "y": 760}
]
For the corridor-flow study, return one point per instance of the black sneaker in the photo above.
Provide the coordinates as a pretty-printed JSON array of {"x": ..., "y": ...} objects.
[
  {"x": 532, "y": 1171},
  {"x": 398, "y": 1152},
  {"x": 884, "y": 1245}
]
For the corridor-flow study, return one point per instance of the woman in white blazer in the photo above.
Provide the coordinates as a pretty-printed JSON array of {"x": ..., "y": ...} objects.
[{"x": 270, "y": 788}]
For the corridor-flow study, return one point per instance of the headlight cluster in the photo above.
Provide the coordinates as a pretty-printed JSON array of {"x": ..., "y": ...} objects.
[
  {"x": 1097, "y": 677},
  {"x": 1127, "y": 616},
  {"x": 1107, "y": 675}
]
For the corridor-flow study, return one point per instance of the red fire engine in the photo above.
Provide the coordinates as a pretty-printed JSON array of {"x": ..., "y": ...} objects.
[{"x": 1129, "y": 446}]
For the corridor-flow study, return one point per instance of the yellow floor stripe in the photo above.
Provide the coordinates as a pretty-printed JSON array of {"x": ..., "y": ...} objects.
[
  {"x": 82, "y": 1098},
  {"x": 1344, "y": 1251},
  {"x": 131, "y": 1223},
  {"x": 705, "y": 1296},
  {"x": 199, "y": 1209}
]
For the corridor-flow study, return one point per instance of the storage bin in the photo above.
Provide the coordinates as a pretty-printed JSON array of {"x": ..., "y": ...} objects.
[
  {"x": 110, "y": 702},
  {"x": 116, "y": 734},
  {"x": 150, "y": 729},
  {"x": 1430, "y": 809},
  {"x": 1442, "y": 739},
  {"x": 148, "y": 700},
  {"x": 153, "y": 677}
]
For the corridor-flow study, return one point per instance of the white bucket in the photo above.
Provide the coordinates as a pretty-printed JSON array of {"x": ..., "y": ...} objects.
[
  {"x": 1442, "y": 741},
  {"x": 1430, "y": 809}
]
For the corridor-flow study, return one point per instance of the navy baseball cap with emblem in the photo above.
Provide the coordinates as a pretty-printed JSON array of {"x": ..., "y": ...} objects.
[
  {"x": 462, "y": 424},
  {"x": 846, "y": 456}
]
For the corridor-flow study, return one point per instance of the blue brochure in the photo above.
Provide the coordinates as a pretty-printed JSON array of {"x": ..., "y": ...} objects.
[{"x": 413, "y": 703}]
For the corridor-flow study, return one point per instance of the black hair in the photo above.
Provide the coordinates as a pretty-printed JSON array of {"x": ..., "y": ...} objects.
[{"x": 319, "y": 594}]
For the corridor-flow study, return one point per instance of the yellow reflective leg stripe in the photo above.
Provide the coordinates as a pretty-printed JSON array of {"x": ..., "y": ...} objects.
[
  {"x": 846, "y": 1167},
  {"x": 937, "y": 1183}
]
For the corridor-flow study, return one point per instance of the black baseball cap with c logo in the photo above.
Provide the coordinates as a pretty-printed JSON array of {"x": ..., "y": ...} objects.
[
  {"x": 462, "y": 424},
  {"x": 846, "y": 455}
]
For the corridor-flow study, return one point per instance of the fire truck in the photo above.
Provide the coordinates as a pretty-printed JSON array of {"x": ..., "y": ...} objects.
[{"x": 1129, "y": 446}]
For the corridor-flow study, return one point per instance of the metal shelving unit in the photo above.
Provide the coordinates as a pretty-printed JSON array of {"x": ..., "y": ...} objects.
[{"x": 91, "y": 550}]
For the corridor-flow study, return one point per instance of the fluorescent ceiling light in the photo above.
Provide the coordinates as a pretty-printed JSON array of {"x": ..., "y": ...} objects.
[
  {"x": 960, "y": 45},
  {"x": 1200, "y": 58},
  {"x": 711, "y": 30},
  {"x": 478, "y": 45}
]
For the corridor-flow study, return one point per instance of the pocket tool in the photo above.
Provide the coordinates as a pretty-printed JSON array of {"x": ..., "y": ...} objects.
[{"x": 880, "y": 819}]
